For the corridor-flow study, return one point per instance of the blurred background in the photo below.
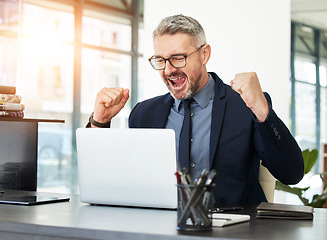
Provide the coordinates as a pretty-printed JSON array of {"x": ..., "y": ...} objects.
[{"x": 60, "y": 53}]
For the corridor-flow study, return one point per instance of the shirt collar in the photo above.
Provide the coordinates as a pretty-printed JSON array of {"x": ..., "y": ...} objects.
[{"x": 203, "y": 96}]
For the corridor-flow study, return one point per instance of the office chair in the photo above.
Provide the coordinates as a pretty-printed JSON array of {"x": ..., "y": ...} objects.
[{"x": 267, "y": 182}]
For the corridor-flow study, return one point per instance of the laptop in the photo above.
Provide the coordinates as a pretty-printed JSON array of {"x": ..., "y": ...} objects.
[{"x": 127, "y": 167}]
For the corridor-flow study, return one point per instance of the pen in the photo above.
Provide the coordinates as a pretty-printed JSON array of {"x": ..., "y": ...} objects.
[
  {"x": 226, "y": 209},
  {"x": 211, "y": 176},
  {"x": 187, "y": 176},
  {"x": 185, "y": 194},
  {"x": 178, "y": 176},
  {"x": 207, "y": 194}
]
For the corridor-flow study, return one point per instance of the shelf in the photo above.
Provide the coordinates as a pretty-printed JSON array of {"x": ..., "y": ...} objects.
[{"x": 31, "y": 120}]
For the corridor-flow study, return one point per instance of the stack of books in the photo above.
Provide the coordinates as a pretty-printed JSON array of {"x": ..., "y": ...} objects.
[{"x": 10, "y": 103}]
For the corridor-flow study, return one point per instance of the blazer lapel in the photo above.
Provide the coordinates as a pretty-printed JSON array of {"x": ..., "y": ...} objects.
[
  {"x": 218, "y": 110},
  {"x": 162, "y": 112}
]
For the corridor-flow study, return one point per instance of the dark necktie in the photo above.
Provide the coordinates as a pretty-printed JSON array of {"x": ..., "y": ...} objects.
[{"x": 185, "y": 136}]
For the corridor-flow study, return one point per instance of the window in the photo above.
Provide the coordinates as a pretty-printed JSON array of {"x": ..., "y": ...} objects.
[
  {"x": 9, "y": 15},
  {"x": 308, "y": 71},
  {"x": 46, "y": 86},
  {"x": 59, "y": 56},
  {"x": 309, "y": 96},
  {"x": 8, "y": 60},
  {"x": 323, "y": 101},
  {"x": 106, "y": 60}
]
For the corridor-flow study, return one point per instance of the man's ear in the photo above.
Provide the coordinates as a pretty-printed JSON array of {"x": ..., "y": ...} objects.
[{"x": 206, "y": 53}]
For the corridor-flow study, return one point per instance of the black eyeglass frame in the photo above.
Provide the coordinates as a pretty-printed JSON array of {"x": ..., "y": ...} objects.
[{"x": 168, "y": 59}]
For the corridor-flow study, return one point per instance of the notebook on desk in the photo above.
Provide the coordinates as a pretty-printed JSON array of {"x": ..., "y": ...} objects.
[{"x": 127, "y": 167}]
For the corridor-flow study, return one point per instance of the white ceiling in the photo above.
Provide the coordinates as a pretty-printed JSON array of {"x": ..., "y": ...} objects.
[{"x": 311, "y": 12}]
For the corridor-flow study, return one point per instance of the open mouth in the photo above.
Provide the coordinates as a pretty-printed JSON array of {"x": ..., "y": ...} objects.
[{"x": 177, "y": 82}]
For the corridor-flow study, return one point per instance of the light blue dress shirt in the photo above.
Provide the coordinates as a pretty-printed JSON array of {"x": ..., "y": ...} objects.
[{"x": 201, "y": 126}]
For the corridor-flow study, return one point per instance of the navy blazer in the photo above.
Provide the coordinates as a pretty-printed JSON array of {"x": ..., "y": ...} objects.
[{"x": 237, "y": 143}]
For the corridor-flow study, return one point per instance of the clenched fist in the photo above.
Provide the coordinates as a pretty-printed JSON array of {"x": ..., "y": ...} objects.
[
  {"x": 108, "y": 103},
  {"x": 248, "y": 86}
]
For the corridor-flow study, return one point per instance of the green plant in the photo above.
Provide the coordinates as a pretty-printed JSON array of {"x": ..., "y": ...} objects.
[{"x": 318, "y": 200}]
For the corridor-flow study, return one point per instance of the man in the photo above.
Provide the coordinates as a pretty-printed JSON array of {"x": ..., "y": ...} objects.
[{"x": 233, "y": 127}]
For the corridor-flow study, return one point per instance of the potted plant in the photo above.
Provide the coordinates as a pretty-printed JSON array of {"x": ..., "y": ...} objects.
[{"x": 318, "y": 200}]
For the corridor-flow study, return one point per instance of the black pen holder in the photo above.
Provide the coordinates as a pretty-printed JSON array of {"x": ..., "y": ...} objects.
[{"x": 194, "y": 205}]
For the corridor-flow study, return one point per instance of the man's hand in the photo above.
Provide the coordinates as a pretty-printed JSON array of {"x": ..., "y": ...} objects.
[
  {"x": 248, "y": 86},
  {"x": 108, "y": 103}
]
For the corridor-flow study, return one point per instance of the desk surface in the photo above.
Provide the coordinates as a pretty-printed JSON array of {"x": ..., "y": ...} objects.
[{"x": 76, "y": 220}]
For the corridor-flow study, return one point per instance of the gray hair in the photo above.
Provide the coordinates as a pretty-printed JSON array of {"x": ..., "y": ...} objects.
[{"x": 181, "y": 24}]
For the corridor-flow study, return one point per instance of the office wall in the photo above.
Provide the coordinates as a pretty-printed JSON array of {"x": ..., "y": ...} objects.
[{"x": 252, "y": 35}]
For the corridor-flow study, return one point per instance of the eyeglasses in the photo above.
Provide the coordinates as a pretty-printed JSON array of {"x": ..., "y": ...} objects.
[{"x": 177, "y": 61}]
